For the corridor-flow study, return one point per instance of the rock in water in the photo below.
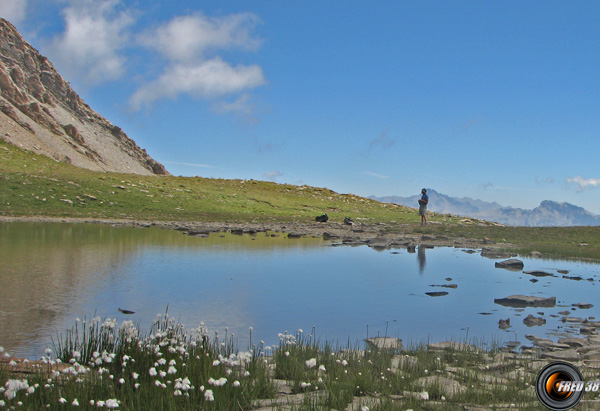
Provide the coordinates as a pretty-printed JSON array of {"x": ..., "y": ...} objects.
[
  {"x": 532, "y": 321},
  {"x": 437, "y": 293},
  {"x": 521, "y": 301},
  {"x": 511, "y": 263},
  {"x": 504, "y": 324}
]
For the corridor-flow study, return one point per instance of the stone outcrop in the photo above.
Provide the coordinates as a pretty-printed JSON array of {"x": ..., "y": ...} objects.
[{"x": 39, "y": 111}]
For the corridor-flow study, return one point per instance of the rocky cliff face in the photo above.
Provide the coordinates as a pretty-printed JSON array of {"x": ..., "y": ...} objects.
[{"x": 40, "y": 111}]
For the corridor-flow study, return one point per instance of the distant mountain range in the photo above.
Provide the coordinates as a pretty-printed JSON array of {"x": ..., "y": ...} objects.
[{"x": 547, "y": 214}]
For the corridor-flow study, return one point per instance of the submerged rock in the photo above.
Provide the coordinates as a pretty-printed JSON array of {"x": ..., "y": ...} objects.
[
  {"x": 444, "y": 285},
  {"x": 437, "y": 293},
  {"x": 538, "y": 273}
]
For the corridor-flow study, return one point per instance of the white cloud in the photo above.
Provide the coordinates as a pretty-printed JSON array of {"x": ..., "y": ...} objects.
[
  {"x": 241, "y": 105},
  {"x": 272, "y": 175},
  {"x": 191, "y": 164},
  {"x": 188, "y": 38},
  {"x": 212, "y": 78},
  {"x": 190, "y": 45},
  {"x": 583, "y": 183},
  {"x": 94, "y": 33},
  {"x": 370, "y": 173},
  {"x": 13, "y": 10}
]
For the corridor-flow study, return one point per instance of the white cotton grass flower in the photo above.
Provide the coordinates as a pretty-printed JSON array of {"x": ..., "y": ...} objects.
[
  {"x": 62, "y": 400},
  {"x": 75, "y": 403},
  {"x": 135, "y": 375},
  {"x": 217, "y": 383},
  {"x": 208, "y": 395},
  {"x": 236, "y": 383},
  {"x": 152, "y": 372},
  {"x": 13, "y": 386},
  {"x": 172, "y": 370},
  {"x": 322, "y": 368},
  {"x": 311, "y": 363}
]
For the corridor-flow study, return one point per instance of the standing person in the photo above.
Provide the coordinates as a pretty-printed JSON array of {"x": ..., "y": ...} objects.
[{"x": 423, "y": 206}]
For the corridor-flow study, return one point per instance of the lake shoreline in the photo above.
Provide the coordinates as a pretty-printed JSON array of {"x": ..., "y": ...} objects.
[{"x": 376, "y": 235}]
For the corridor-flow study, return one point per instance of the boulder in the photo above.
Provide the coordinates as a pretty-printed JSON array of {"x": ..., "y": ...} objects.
[
  {"x": 574, "y": 342},
  {"x": 385, "y": 343},
  {"x": 504, "y": 324},
  {"x": 295, "y": 235},
  {"x": 570, "y": 355},
  {"x": 330, "y": 236},
  {"x": 521, "y": 301},
  {"x": 452, "y": 345},
  {"x": 511, "y": 263},
  {"x": 494, "y": 253},
  {"x": 532, "y": 321},
  {"x": 448, "y": 387}
]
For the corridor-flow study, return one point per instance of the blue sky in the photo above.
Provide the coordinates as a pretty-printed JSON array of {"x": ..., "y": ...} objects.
[{"x": 487, "y": 99}]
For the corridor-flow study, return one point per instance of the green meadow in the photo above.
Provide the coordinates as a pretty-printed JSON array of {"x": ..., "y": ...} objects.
[{"x": 36, "y": 186}]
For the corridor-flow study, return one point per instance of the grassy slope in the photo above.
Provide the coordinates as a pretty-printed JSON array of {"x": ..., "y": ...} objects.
[{"x": 33, "y": 185}]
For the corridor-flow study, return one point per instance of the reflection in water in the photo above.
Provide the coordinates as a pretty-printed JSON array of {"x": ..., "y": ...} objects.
[
  {"x": 52, "y": 273},
  {"x": 421, "y": 258}
]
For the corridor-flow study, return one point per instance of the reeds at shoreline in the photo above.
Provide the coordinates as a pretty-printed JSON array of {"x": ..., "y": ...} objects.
[{"x": 100, "y": 364}]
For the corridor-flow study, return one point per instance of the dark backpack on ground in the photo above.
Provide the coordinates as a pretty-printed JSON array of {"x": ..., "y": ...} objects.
[{"x": 322, "y": 218}]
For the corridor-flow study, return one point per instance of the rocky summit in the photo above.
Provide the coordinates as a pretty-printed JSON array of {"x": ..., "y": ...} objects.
[{"x": 39, "y": 111}]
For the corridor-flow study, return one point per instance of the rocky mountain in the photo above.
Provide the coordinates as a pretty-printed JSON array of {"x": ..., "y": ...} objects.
[
  {"x": 547, "y": 214},
  {"x": 39, "y": 111}
]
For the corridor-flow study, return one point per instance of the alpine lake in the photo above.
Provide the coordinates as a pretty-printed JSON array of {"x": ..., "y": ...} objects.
[{"x": 55, "y": 274}]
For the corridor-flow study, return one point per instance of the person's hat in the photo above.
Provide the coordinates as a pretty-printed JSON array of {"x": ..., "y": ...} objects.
[{"x": 424, "y": 190}]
